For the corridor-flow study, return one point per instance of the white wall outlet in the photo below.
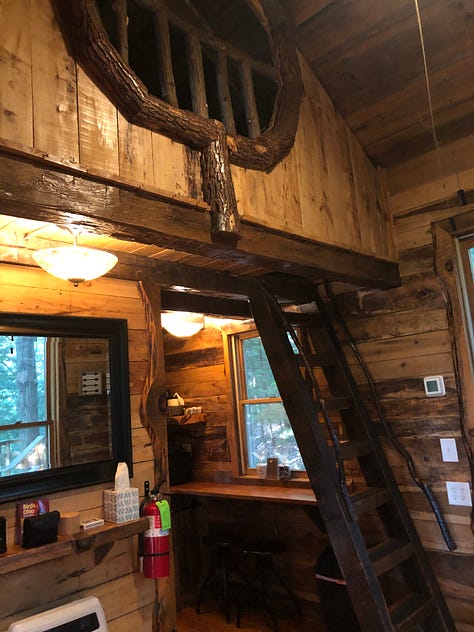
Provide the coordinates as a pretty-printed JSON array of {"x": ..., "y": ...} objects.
[
  {"x": 449, "y": 451},
  {"x": 459, "y": 493}
]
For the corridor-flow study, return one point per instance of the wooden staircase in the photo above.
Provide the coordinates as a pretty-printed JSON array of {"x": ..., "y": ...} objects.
[{"x": 389, "y": 579}]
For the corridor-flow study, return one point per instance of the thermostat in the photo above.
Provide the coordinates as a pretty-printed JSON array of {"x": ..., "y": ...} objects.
[{"x": 434, "y": 386}]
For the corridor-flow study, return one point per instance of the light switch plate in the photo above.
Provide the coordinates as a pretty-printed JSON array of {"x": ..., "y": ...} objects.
[
  {"x": 459, "y": 493},
  {"x": 449, "y": 451}
]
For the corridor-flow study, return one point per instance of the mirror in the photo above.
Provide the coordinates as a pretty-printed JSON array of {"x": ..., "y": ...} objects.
[{"x": 64, "y": 403}]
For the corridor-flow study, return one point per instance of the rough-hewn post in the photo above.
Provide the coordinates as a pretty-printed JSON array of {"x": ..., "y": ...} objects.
[
  {"x": 218, "y": 189},
  {"x": 154, "y": 421}
]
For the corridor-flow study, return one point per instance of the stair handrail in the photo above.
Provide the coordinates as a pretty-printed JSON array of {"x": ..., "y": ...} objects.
[{"x": 425, "y": 488}]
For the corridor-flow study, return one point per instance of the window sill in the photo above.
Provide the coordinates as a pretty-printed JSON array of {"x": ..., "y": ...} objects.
[
  {"x": 100, "y": 539},
  {"x": 247, "y": 479}
]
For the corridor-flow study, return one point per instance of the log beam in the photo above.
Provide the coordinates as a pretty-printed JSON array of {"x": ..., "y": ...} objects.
[{"x": 63, "y": 195}]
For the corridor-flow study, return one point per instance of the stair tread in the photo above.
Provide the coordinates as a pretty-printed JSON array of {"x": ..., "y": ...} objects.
[
  {"x": 411, "y": 609},
  {"x": 354, "y": 448},
  {"x": 316, "y": 360},
  {"x": 295, "y": 378},
  {"x": 370, "y": 498},
  {"x": 389, "y": 553},
  {"x": 335, "y": 404}
]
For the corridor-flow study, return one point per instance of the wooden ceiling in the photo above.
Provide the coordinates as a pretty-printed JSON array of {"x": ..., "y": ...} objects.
[{"x": 368, "y": 56}]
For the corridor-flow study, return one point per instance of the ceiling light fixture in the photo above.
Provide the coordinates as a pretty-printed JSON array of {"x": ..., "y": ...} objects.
[
  {"x": 182, "y": 324},
  {"x": 75, "y": 263}
]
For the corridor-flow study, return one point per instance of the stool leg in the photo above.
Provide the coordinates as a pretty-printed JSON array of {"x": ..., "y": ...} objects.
[
  {"x": 267, "y": 592},
  {"x": 204, "y": 584},
  {"x": 226, "y": 589},
  {"x": 289, "y": 592}
]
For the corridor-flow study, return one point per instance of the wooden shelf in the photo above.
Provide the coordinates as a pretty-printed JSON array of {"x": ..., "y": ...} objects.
[
  {"x": 186, "y": 420},
  {"x": 101, "y": 539}
]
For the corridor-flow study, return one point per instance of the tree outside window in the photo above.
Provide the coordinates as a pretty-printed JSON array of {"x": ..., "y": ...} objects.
[
  {"x": 23, "y": 420},
  {"x": 265, "y": 430}
]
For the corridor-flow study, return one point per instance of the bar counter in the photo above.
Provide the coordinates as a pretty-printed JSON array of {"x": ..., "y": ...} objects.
[{"x": 240, "y": 491}]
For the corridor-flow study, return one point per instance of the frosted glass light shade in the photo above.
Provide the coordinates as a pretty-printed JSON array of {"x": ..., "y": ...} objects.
[
  {"x": 75, "y": 263},
  {"x": 182, "y": 324}
]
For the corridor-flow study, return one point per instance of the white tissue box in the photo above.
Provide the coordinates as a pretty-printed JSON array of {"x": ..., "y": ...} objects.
[{"x": 121, "y": 505}]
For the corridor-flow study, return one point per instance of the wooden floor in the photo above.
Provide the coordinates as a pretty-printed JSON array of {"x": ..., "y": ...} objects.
[{"x": 214, "y": 621}]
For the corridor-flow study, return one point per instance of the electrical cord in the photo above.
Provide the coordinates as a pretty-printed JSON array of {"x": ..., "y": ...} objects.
[{"x": 425, "y": 488}]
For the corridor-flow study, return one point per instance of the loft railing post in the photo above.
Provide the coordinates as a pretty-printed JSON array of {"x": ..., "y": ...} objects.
[
  {"x": 196, "y": 75},
  {"x": 250, "y": 103},
  {"x": 225, "y": 101},
  {"x": 165, "y": 65}
]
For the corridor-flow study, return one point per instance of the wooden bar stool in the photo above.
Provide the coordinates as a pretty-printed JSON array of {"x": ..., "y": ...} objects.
[
  {"x": 261, "y": 585},
  {"x": 224, "y": 562}
]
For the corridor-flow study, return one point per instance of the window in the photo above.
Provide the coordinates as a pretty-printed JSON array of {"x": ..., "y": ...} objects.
[
  {"x": 466, "y": 251},
  {"x": 264, "y": 428},
  {"x": 24, "y": 428}
]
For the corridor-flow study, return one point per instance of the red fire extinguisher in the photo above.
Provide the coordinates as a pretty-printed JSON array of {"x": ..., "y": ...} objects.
[{"x": 156, "y": 539}]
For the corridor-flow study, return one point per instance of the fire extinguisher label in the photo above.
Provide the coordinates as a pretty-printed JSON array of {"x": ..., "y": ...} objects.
[
  {"x": 154, "y": 527},
  {"x": 156, "y": 533},
  {"x": 154, "y": 522}
]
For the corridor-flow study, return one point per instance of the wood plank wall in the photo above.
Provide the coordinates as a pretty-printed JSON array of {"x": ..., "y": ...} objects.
[
  {"x": 195, "y": 368},
  {"x": 403, "y": 335},
  {"x": 325, "y": 189},
  {"x": 127, "y": 597}
]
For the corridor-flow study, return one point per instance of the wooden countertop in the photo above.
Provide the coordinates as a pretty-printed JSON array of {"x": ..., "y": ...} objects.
[{"x": 239, "y": 491}]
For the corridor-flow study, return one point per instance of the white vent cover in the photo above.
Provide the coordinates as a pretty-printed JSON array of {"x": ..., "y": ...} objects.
[
  {"x": 85, "y": 615},
  {"x": 91, "y": 383}
]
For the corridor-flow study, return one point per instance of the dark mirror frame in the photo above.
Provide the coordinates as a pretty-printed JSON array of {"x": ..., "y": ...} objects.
[{"x": 84, "y": 474}]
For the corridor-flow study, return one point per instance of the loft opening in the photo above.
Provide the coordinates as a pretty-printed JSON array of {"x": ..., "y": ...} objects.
[
  {"x": 189, "y": 69},
  {"x": 217, "y": 48}
]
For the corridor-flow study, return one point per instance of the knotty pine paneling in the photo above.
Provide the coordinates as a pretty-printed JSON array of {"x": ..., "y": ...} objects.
[
  {"x": 125, "y": 594},
  {"x": 324, "y": 189}
]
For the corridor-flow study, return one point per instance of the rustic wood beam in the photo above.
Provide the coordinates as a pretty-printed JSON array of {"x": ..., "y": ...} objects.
[
  {"x": 215, "y": 306},
  {"x": 65, "y": 195},
  {"x": 218, "y": 190},
  {"x": 154, "y": 420},
  {"x": 182, "y": 278}
]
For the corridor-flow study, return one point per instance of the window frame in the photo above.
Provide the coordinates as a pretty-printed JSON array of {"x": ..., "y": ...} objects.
[
  {"x": 235, "y": 362},
  {"x": 466, "y": 281},
  {"x": 449, "y": 235}
]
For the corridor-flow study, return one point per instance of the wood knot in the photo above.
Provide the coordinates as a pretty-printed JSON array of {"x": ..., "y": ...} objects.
[{"x": 449, "y": 265}]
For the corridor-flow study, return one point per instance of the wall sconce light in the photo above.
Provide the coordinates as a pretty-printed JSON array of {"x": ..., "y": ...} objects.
[
  {"x": 75, "y": 263},
  {"x": 182, "y": 324}
]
